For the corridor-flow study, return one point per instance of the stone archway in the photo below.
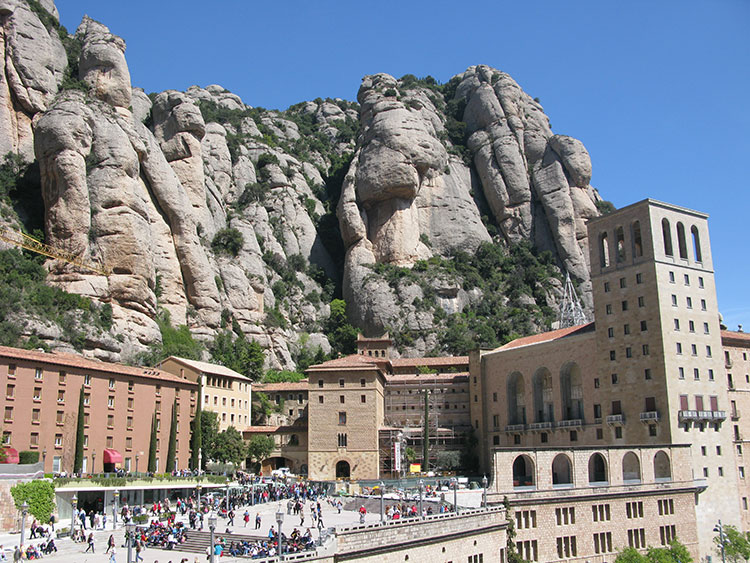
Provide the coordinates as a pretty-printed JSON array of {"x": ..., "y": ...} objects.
[{"x": 343, "y": 470}]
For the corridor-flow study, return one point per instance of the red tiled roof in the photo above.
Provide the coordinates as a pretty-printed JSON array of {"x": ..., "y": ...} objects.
[
  {"x": 427, "y": 362},
  {"x": 262, "y": 429},
  {"x": 734, "y": 337},
  {"x": 548, "y": 336},
  {"x": 205, "y": 367},
  {"x": 283, "y": 386},
  {"x": 74, "y": 361},
  {"x": 351, "y": 361}
]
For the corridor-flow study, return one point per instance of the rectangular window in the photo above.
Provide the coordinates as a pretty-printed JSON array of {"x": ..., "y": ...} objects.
[
  {"x": 61, "y": 378},
  {"x": 362, "y": 383},
  {"x": 131, "y": 402},
  {"x": 600, "y": 512},
  {"x": 110, "y": 421},
  {"x": 667, "y": 534},
  {"x": 677, "y": 324},
  {"x": 87, "y": 380},
  {"x": 700, "y": 282},
  {"x": 525, "y": 519},
  {"x": 618, "y": 432},
  {"x": 58, "y": 440},
  {"x": 679, "y": 347},
  {"x": 671, "y": 277},
  {"x": 60, "y": 417},
  {"x": 320, "y": 383},
  {"x": 710, "y": 375},
  {"x": 606, "y": 287},
  {"x": 596, "y": 383},
  {"x": 608, "y": 309},
  {"x": 681, "y": 372},
  {"x": 623, "y": 283},
  {"x": 644, "y": 326},
  {"x": 645, "y": 350},
  {"x": 131, "y": 386},
  {"x": 696, "y": 373},
  {"x": 597, "y": 411},
  {"x": 634, "y": 509},
  {"x": 624, "y": 305},
  {"x": 38, "y": 374},
  {"x": 11, "y": 370},
  {"x": 111, "y": 402},
  {"x": 628, "y": 352},
  {"x": 599, "y": 434},
  {"x": 689, "y": 302},
  {"x": 641, "y": 302},
  {"x": 647, "y": 371},
  {"x": 626, "y": 329},
  {"x": 611, "y": 332},
  {"x": 566, "y": 547},
  {"x": 320, "y": 399},
  {"x": 603, "y": 542},
  {"x": 111, "y": 383},
  {"x": 703, "y": 304},
  {"x": 10, "y": 391},
  {"x": 565, "y": 516},
  {"x": 110, "y": 442},
  {"x": 674, "y": 301},
  {"x": 637, "y": 538},
  {"x": 693, "y": 350},
  {"x": 36, "y": 416},
  {"x": 342, "y": 418},
  {"x": 128, "y": 443},
  {"x": 8, "y": 414},
  {"x": 37, "y": 394},
  {"x": 708, "y": 351},
  {"x": 612, "y": 355},
  {"x": 130, "y": 423},
  {"x": 614, "y": 379},
  {"x": 341, "y": 382}
]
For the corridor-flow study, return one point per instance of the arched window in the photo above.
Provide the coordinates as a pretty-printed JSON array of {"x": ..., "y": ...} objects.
[
  {"x": 681, "y": 240},
  {"x": 603, "y": 250},
  {"x": 662, "y": 469},
  {"x": 637, "y": 240},
  {"x": 544, "y": 408},
  {"x": 523, "y": 471},
  {"x": 696, "y": 244},
  {"x": 597, "y": 469},
  {"x": 343, "y": 470},
  {"x": 562, "y": 472},
  {"x": 516, "y": 399},
  {"x": 666, "y": 233},
  {"x": 631, "y": 468},
  {"x": 620, "y": 237},
  {"x": 571, "y": 390}
]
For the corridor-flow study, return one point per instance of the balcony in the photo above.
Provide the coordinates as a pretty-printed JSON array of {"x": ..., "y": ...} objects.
[
  {"x": 687, "y": 415},
  {"x": 735, "y": 414},
  {"x": 515, "y": 428},
  {"x": 650, "y": 416},
  {"x": 616, "y": 419},
  {"x": 541, "y": 426},
  {"x": 719, "y": 415},
  {"x": 705, "y": 415},
  {"x": 575, "y": 423}
]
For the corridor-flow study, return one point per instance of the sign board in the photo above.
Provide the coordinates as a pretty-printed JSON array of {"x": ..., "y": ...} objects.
[
  {"x": 397, "y": 456},
  {"x": 415, "y": 467}
]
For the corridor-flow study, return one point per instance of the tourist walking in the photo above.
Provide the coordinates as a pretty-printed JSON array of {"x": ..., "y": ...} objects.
[
  {"x": 112, "y": 555},
  {"x": 91, "y": 543},
  {"x": 110, "y": 543}
]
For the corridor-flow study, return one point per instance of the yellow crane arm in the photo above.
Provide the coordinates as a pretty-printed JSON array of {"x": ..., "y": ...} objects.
[{"x": 29, "y": 243}]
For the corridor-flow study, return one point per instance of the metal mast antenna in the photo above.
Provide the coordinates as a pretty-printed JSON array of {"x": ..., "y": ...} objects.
[{"x": 571, "y": 309}]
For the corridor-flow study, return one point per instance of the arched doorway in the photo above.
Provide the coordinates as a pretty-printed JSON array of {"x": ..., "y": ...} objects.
[
  {"x": 662, "y": 470},
  {"x": 597, "y": 469},
  {"x": 523, "y": 471},
  {"x": 562, "y": 473},
  {"x": 631, "y": 468},
  {"x": 342, "y": 470}
]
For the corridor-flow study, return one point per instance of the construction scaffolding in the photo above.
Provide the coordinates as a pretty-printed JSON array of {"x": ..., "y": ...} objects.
[
  {"x": 29, "y": 243},
  {"x": 571, "y": 309}
]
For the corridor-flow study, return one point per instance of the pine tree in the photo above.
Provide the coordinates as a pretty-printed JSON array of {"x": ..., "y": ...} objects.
[
  {"x": 172, "y": 451},
  {"x": 196, "y": 442},
  {"x": 78, "y": 456},
  {"x": 152, "y": 447}
]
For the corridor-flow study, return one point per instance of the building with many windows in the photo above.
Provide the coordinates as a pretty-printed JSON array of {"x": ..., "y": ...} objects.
[
  {"x": 40, "y": 411},
  {"x": 223, "y": 391}
]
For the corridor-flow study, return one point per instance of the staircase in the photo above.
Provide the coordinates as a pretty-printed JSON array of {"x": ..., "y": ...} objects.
[{"x": 197, "y": 541}]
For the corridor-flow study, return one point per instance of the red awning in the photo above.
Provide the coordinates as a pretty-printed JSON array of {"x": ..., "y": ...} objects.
[
  {"x": 112, "y": 456},
  {"x": 11, "y": 455}
]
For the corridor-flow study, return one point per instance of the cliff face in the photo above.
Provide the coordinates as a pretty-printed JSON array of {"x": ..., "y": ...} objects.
[{"x": 218, "y": 212}]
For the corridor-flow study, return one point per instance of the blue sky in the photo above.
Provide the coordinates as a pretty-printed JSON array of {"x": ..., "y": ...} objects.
[{"x": 657, "y": 91}]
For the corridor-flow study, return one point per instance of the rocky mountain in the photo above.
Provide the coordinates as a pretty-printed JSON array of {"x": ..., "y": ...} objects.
[{"x": 428, "y": 207}]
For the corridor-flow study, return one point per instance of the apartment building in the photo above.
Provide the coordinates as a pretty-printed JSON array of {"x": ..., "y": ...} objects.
[
  {"x": 223, "y": 391},
  {"x": 40, "y": 407}
]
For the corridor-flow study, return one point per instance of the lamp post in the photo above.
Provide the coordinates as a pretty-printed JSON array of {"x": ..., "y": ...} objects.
[
  {"x": 421, "y": 486},
  {"x": 130, "y": 528},
  {"x": 198, "y": 488},
  {"x": 719, "y": 528},
  {"x": 226, "y": 496},
  {"x": 136, "y": 463},
  {"x": 24, "y": 512},
  {"x": 212, "y": 527},
  {"x": 484, "y": 491},
  {"x": 115, "y": 499},
  {"x": 381, "y": 486},
  {"x": 252, "y": 493},
  {"x": 44, "y": 459},
  {"x": 280, "y": 521},
  {"x": 74, "y": 505},
  {"x": 93, "y": 463},
  {"x": 454, "y": 483}
]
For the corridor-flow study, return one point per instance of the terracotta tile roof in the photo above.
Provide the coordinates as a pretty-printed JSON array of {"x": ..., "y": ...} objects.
[
  {"x": 426, "y": 377},
  {"x": 283, "y": 386},
  {"x": 732, "y": 337},
  {"x": 205, "y": 367},
  {"x": 548, "y": 336},
  {"x": 261, "y": 429},
  {"x": 75, "y": 361},
  {"x": 427, "y": 362},
  {"x": 351, "y": 361}
]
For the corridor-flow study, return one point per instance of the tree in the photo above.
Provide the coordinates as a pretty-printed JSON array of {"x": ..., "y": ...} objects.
[
  {"x": 228, "y": 241},
  {"x": 510, "y": 534},
  {"x": 152, "y": 446},
  {"x": 196, "y": 439},
  {"x": 276, "y": 376},
  {"x": 410, "y": 454},
  {"x": 260, "y": 447},
  {"x": 230, "y": 447},
  {"x": 40, "y": 496},
  {"x": 675, "y": 553},
  {"x": 78, "y": 455},
  {"x": 736, "y": 544},
  {"x": 341, "y": 335},
  {"x": 172, "y": 450},
  {"x": 240, "y": 354},
  {"x": 448, "y": 459},
  {"x": 209, "y": 432}
]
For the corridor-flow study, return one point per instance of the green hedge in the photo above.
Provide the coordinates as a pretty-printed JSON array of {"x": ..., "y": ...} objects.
[{"x": 26, "y": 457}]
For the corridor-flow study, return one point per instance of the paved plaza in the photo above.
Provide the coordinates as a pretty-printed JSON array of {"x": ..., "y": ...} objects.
[{"x": 72, "y": 552}]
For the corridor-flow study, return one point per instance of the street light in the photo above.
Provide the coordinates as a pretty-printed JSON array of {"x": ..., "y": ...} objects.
[
  {"x": 719, "y": 528},
  {"x": 484, "y": 491},
  {"x": 44, "y": 458},
  {"x": 93, "y": 463},
  {"x": 24, "y": 512},
  {"x": 421, "y": 486},
  {"x": 252, "y": 493},
  {"x": 136, "y": 463},
  {"x": 227, "y": 497},
  {"x": 212, "y": 527},
  {"x": 198, "y": 488},
  {"x": 130, "y": 530},
  {"x": 280, "y": 521},
  {"x": 454, "y": 483},
  {"x": 381, "y": 486},
  {"x": 74, "y": 504},
  {"x": 115, "y": 508}
]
